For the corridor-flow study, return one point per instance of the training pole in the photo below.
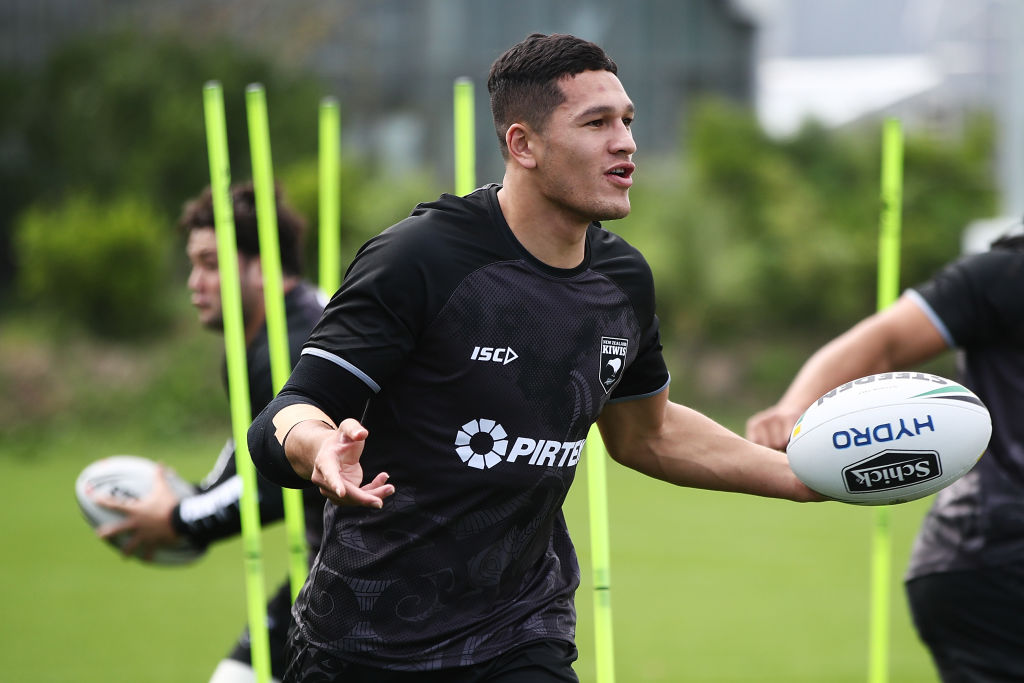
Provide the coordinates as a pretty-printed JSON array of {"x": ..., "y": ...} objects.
[
  {"x": 600, "y": 550},
  {"x": 273, "y": 299},
  {"x": 329, "y": 201},
  {"x": 465, "y": 138},
  {"x": 888, "y": 291},
  {"x": 238, "y": 380}
]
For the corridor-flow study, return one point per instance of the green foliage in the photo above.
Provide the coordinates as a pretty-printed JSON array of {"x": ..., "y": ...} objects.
[
  {"x": 101, "y": 265},
  {"x": 762, "y": 249},
  {"x": 766, "y": 236},
  {"x": 369, "y": 202},
  {"x": 60, "y": 381},
  {"x": 122, "y": 115}
]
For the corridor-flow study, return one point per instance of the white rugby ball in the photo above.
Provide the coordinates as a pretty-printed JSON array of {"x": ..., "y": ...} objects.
[
  {"x": 129, "y": 477},
  {"x": 889, "y": 438}
]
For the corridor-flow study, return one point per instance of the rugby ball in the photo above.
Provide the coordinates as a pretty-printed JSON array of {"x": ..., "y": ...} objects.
[
  {"x": 129, "y": 477},
  {"x": 889, "y": 438}
]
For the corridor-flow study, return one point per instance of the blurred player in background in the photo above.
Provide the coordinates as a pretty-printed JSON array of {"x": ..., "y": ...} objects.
[
  {"x": 213, "y": 514},
  {"x": 965, "y": 582},
  {"x": 466, "y": 356}
]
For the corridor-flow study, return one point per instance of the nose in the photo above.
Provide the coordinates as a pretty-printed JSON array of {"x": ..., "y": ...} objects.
[
  {"x": 623, "y": 140},
  {"x": 193, "y": 279}
]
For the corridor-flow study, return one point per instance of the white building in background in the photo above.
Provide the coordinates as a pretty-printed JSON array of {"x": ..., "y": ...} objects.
[{"x": 928, "y": 62}]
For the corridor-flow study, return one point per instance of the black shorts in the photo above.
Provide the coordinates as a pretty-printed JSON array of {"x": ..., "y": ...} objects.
[
  {"x": 542, "y": 661},
  {"x": 279, "y": 619},
  {"x": 972, "y": 623}
]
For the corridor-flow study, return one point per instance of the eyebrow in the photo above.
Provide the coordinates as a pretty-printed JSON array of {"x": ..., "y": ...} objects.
[{"x": 603, "y": 109}]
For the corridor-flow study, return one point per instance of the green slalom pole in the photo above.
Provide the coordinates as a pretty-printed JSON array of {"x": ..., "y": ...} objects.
[
  {"x": 273, "y": 298},
  {"x": 465, "y": 138},
  {"x": 888, "y": 291},
  {"x": 238, "y": 381},
  {"x": 600, "y": 549},
  {"x": 330, "y": 204}
]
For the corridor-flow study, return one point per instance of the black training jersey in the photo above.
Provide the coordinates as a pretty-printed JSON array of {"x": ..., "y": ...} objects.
[
  {"x": 978, "y": 305},
  {"x": 215, "y": 512},
  {"x": 485, "y": 370}
]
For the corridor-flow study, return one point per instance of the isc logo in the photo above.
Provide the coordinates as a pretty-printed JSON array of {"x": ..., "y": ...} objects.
[{"x": 498, "y": 355}]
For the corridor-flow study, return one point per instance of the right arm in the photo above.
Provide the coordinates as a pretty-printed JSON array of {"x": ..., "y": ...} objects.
[
  {"x": 294, "y": 441},
  {"x": 895, "y": 338}
]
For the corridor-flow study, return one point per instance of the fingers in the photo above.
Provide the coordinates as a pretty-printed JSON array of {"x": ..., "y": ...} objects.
[
  {"x": 108, "y": 531},
  {"x": 131, "y": 541},
  {"x": 769, "y": 428},
  {"x": 381, "y": 491},
  {"x": 351, "y": 431},
  {"x": 379, "y": 482},
  {"x": 121, "y": 505},
  {"x": 371, "y": 495},
  {"x": 160, "y": 483},
  {"x": 338, "y": 474}
]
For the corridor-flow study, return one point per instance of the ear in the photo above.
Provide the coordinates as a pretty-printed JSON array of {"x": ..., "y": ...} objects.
[{"x": 520, "y": 141}]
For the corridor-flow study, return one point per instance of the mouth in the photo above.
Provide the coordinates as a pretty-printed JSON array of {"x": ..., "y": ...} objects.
[{"x": 621, "y": 174}]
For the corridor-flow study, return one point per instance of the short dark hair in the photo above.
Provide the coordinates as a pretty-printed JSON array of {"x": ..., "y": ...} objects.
[
  {"x": 198, "y": 213},
  {"x": 523, "y": 82}
]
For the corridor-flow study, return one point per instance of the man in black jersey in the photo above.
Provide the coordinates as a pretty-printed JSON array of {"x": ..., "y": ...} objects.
[
  {"x": 965, "y": 582},
  {"x": 213, "y": 513},
  {"x": 465, "y": 358}
]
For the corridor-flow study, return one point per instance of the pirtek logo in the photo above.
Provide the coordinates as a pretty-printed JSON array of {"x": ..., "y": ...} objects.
[
  {"x": 498, "y": 355},
  {"x": 482, "y": 444},
  {"x": 892, "y": 470}
]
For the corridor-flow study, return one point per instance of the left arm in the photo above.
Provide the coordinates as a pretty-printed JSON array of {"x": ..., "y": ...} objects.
[{"x": 676, "y": 444}]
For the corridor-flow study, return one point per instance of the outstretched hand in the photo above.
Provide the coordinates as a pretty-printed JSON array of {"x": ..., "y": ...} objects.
[
  {"x": 772, "y": 426},
  {"x": 336, "y": 469},
  {"x": 147, "y": 520}
]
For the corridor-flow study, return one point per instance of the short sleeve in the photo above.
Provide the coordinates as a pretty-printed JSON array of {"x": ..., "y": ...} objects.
[
  {"x": 372, "y": 323},
  {"x": 978, "y": 298}
]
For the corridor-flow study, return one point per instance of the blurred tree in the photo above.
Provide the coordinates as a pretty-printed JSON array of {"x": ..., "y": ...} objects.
[
  {"x": 763, "y": 248},
  {"x": 799, "y": 218},
  {"x": 370, "y": 201},
  {"x": 102, "y": 266},
  {"x": 121, "y": 115}
]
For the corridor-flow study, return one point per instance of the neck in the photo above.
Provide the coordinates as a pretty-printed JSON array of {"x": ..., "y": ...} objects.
[
  {"x": 551, "y": 236},
  {"x": 253, "y": 323}
]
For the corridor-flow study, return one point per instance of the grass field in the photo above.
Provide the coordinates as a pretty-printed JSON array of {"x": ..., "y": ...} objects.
[{"x": 705, "y": 586}]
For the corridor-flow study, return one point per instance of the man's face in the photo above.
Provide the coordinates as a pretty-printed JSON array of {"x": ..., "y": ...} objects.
[
  {"x": 584, "y": 156},
  {"x": 204, "y": 279}
]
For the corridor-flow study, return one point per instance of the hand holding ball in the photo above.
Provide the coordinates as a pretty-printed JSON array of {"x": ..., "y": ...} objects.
[
  {"x": 124, "y": 478},
  {"x": 889, "y": 438}
]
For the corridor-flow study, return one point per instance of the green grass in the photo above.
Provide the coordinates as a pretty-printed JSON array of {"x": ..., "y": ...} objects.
[{"x": 705, "y": 586}]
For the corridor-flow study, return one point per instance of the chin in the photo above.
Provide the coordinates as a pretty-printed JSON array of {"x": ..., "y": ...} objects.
[
  {"x": 215, "y": 323},
  {"x": 612, "y": 212}
]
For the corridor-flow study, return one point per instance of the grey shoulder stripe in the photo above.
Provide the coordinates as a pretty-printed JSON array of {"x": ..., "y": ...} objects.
[
  {"x": 657, "y": 391},
  {"x": 342, "y": 363},
  {"x": 933, "y": 317}
]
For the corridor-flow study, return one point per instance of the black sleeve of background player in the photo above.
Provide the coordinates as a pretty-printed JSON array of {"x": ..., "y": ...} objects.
[
  {"x": 978, "y": 297},
  {"x": 315, "y": 381},
  {"x": 222, "y": 512}
]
